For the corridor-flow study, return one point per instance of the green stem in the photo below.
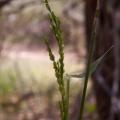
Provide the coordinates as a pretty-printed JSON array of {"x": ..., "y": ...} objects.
[
  {"x": 67, "y": 98},
  {"x": 90, "y": 55}
]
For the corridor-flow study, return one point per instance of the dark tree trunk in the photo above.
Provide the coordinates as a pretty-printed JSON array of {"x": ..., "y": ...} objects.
[{"x": 106, "y": 79}]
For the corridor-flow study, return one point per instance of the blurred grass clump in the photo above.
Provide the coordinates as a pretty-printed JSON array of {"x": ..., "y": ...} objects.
[{"x": 24, "y": 74}]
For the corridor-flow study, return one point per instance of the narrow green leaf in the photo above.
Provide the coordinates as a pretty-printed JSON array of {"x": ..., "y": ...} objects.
[{"x": 93, "y": 66}]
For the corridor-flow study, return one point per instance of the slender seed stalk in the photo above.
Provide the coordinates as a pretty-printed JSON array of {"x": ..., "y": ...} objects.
[
  {"x": 90, "y": 55},
  {"x": 67, "y": 97},
  {"x": 59, "y": 64}
]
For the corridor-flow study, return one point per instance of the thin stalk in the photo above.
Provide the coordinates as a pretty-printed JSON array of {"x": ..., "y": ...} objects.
[
  {"x": 59, "y": 64},
  {"x": 90, "y": 55},
  {"x": 67, "y": 98}
]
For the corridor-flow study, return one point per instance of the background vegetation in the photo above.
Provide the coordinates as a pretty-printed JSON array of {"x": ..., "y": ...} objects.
[{"x": 28, "y": 89}]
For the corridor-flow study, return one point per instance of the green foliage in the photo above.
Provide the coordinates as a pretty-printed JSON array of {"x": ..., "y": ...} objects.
[
  {"x": 93, "y": 66},
  {"x": 90, "y": 107},
  {"x": 6, "y": 84}
]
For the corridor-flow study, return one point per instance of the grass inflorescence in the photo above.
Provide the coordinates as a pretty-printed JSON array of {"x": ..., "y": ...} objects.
[{"x": 58, "y": 65}]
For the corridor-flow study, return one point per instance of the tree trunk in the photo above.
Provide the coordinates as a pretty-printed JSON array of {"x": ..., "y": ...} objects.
[{"x": 106, "y": 79}]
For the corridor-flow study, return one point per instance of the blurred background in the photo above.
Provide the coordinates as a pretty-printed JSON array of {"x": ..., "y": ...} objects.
[{"x": 28, "y": 87}]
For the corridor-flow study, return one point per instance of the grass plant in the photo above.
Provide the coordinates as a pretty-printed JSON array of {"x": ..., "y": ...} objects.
[{"x": 58, "y": 65}]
